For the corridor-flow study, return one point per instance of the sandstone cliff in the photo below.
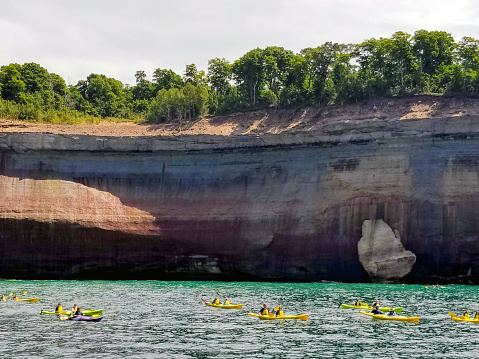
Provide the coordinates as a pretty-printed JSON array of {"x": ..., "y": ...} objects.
[{"x": 284, "y": 203}]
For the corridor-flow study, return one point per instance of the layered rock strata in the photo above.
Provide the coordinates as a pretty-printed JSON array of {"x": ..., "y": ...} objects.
[{"x": 272, "y": 207}]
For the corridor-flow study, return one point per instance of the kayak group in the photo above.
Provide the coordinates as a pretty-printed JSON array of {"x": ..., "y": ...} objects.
[
  {"x": 377, "y": 312},
  {"x": 384, "y": 313},
  {"x": 76, "y": 310},
  {"x": 263, "y": 313},
  {"x": 391, "y": 313},
  {"x": 4, "y": 298},
  {"x": 75, "y": 314}
]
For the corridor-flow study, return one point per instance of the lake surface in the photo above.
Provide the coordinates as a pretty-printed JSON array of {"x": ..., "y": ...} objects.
[{"x": 154, "y": 319}]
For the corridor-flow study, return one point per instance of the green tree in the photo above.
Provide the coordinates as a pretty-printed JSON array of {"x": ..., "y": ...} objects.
[
  {"x": 219, "y": 74},
  {"x": 402, "y": 61},
  {"x": 320, "y": 61},
  {"x": 106, "y": 95},
  {"x": 13, "y": 88},
  {"x": 143, "y": 89},
  {"x": 166, "y": 79},
  {"x": 193, "y": 76},
  {"x": 277, "y": 62},
  {"x": 249, "y": 74},
  {"x": 35, "y": 77},
  {"x": 468, "y": 54},
  {"x": 434, "y": 50}
]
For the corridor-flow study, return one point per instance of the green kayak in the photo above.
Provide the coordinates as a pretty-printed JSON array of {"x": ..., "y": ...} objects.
[
  {"x": 382, "y": 309},
  {"x": 88, "y": 312}
]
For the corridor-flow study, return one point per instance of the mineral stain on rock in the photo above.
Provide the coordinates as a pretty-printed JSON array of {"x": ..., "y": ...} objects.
[{"x": 283, "y": 204}]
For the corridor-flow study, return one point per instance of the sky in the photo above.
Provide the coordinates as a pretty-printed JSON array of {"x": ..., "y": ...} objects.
[{"x": 117, "y": 38}]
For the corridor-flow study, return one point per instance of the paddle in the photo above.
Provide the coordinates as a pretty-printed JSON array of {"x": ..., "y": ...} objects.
[{"x": 457, "y": 316}]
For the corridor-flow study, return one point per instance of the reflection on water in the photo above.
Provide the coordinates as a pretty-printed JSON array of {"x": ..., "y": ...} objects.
[{"x": 149, "y": 319}]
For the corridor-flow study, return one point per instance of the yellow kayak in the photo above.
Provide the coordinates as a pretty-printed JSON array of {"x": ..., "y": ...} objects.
[
  {"x": 398, "y": 318},
  {"x": 31, "y": 300},
  {"x": 225, "y": 306},
  {"x": 463, "y": 319},
  {"x": 274, "y": 317}
]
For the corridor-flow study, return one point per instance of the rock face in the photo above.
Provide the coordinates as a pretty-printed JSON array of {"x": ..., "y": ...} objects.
[
  {"x": 382, "y": 254},
  {"x": 276, "y": 207}
]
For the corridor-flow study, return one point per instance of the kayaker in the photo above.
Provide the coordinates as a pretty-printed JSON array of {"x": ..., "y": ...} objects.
[
  {"x": 77, "y": 312},
  {"x": 59, "y": 308},
  {"x": 227, "y": 301},
  {"x": 391, "y": 313},
  {"x": 264, "y": 310},
  {"x": 358, "y": 303},
  {"x": 376, "y": 309},
  {"x": 216, "y": 301},
  {"x": 74, "y": 309},
  {"x": 279, "y": 311},
  {"x": 4, "y": 298},
  {"x": 466, "y": 314},
  {"x": 476, "y": 316},
  {"x": 15, "y": 297},
  {"x": 375, "y": 303}
]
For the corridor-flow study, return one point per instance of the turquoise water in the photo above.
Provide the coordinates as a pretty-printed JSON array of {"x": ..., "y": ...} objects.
[{"x": 152, "y": 319}]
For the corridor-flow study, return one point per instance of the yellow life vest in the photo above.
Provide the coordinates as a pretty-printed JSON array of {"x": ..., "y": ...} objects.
[
  {"x": 280, "y": 314},
  {"x": 466, "y": 315},
  {"x": 59, "y": 308},
  {"x": 227, "y": 302},
  {"x": 216, "y": 301}
]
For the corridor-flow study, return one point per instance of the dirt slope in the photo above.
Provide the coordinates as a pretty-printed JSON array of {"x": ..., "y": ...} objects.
[{"x": 271, "y": 121}]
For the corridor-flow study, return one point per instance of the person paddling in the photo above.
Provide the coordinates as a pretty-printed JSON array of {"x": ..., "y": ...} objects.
[
  {"x": 74, "y": 309},
  {"x": 391, "y": 313},
  {"x": 59, "y": 308},
  {"x": 77, "y": 312},
  {"x": 264, "y": 310},
  {"x": 4, "y": 299},
  {"x": 227, "y": 301},
  {"x": 376, "y": 309},
  {"x": 216, "y": 301},
  {"x": 466, "y": 314},
  {"x": 279, "y": 311},
  {"x": 15, "y": 297},
  {"x": 358, "y": 303},
  {"x": 477, "y": 315},
  {"x": 376, "y": 303}
]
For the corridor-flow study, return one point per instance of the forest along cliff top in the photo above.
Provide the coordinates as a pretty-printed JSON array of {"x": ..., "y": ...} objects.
[{"x": 270, "y": 121}]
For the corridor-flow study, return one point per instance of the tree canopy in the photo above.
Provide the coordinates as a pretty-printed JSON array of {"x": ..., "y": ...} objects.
[{"x": 403, "y": 64}]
